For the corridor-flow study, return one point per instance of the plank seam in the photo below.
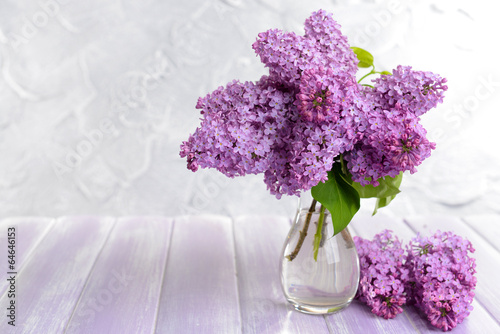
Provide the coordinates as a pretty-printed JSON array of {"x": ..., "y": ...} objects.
[
  {"x": 167, "y": 257},
  {"x": 32, "y": 250},
  {"x": 330, "y": 329},
  {"x": 469, "y": 225},
  {"x": 476, "y": 297},
  {"x": 236, "y": 273},
  {"x": 478, "y": 300},
  {"x": 91, "y": 271},
  {"x": 409, "y": 226},
  {"x": 405, "y": 312}
]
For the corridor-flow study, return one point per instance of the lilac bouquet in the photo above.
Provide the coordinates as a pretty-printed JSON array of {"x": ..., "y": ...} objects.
[{"x": 310, "y": 125}]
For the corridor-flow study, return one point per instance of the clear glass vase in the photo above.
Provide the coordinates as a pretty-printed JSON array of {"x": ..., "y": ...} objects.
[{"x": 327, "y": 284}]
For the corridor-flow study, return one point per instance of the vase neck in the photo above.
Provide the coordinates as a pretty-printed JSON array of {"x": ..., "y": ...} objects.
[{"x": 305, "y": 200}]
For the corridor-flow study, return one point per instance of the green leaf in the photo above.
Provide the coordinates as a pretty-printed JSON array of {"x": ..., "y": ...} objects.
[
  {"x": 365, "y": 58},
  {"x": 388, "y": 186},
  {"x": 385, "y": 73},
  {"x": 384, "y": 201},
  {"x": 339, "y": 197},
  {"x": 381, "y": 202}
]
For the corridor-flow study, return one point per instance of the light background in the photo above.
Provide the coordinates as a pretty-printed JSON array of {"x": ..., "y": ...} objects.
[{"x": 96, "y": 97}]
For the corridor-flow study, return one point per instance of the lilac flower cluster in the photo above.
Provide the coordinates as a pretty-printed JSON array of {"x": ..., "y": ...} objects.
[
  {"x": 242, "y": 123},
  {"x": 255, "y": 128},
  {"x": 436, "y": 275},
  {"x": 382, "y": 275},
  {"x": 288, "y": 55},
  {"x": 293, "y": 124},
  {"x": 325, "y": 95},
  {"x": 393, "y": 140},
  {"x": 442, "y": 278}
]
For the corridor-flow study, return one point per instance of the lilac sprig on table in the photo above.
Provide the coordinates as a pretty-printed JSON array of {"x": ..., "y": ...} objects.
[
  {"x": 436, "y": 275},
  {"x": 442, "y": 278},
  {"x": 310, "y": 125},
  {"x": 382, "y": 275}
]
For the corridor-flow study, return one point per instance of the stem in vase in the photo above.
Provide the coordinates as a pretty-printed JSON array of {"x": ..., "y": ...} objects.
[
  {"x": 303, "y": 233},
  {"x": 318, "y": 237}
]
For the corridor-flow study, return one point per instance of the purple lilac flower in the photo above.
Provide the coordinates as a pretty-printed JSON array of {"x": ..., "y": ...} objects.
[
  {"x": 287, "y": 55},
  {"x": 306, "y": 153},
  {"x": 255, "y": 128},
  {"x": 382, "y": 275},
  {"x": 324, "y": 94},
  {"x": 241, "y": 124},
  {"x": 442, "y": 278},
  {"x": 393, "y": 139},
  {"x": 293, "y": 124},
  {"x": 334, "y": 47},
  {"x": 264, "y": 128},
  {"x": 415, "y": 91}
]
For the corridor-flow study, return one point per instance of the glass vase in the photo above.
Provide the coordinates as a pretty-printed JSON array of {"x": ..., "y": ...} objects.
[{"x": 328, "y": 283}]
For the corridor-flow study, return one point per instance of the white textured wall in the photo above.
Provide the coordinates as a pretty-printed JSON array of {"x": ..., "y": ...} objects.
[{"x": 96, "y": 96}]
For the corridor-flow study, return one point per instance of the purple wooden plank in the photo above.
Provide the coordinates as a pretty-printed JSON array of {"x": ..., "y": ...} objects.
[
  {"x": 487, "y": 226},
  {"x": 123, "y": 290},
  {"x": 367, "y": 226},
  {"x": 485, "y": 317},
  {"x": 29, "y": 232},
  {"x": 53, "y": 277},
  {"x": 199, "y": 293},
  {"x": 263, "y": 307},
  {"x": 357, "y": 318}
]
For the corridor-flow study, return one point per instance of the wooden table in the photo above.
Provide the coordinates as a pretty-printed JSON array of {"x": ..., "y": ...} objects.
[{"x": 203, "y": 274}]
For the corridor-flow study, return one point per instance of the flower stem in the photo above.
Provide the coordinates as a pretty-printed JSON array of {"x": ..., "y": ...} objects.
[
  {"x": 303, "y": 233},
  {"x": 319, "y": 232},
  {"x": 346, "y": 235},
  {"x": 370, "y": 73}
]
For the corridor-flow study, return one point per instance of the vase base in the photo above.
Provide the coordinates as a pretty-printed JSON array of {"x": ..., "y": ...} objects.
[{"x": 312, "y": 309}]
